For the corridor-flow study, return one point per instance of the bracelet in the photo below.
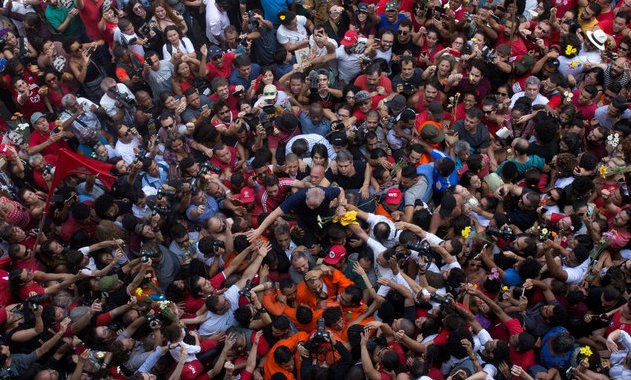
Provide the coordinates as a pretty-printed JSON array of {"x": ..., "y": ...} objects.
[{"x": 261, "y": 310}]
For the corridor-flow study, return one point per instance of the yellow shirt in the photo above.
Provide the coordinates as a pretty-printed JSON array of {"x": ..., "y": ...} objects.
[{"x": 586, "y": 26}]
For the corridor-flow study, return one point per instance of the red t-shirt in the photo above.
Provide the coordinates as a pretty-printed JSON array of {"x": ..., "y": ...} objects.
[
  {"x": 586, "y": 110},
  {"x": 384, "y": 82},
  {"x": 523, "y": 359},
  {"x": 232, "y": 100},
  {"x": 224, "y": 71},
  {"x": 33, "y": 103},
  {"x": 39, "y": 138}
]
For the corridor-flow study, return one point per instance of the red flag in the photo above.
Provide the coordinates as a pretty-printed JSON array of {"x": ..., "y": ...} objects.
[{"x": 69, "y": 163}]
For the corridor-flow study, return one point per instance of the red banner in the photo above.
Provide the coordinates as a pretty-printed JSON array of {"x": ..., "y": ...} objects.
[{"x": 70, "y": 163}]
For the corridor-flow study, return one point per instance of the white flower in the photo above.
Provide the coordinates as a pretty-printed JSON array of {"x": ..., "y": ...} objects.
[{"x": 610, "y": 138}]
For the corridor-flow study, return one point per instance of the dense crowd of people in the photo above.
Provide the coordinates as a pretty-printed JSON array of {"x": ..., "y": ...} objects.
[{"x": 315, "y": 189}]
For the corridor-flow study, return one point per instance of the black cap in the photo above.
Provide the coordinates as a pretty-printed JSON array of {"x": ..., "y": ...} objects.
[{"x": 339, "y": 139}]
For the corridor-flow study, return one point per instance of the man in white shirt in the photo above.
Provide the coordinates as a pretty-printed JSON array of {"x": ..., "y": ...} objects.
[
  {"x": 117, "y": 101},
  {"x": 533, "y": 84},
  {"x": 128, "y": 139},
  {"x": 221, "y": 308},
  {"x": 216, "y": 21}
]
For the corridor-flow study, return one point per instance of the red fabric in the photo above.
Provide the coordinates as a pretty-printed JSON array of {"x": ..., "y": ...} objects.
[
  {"x": 70, "y": 163},
  {"x": 523, "y": 359}
]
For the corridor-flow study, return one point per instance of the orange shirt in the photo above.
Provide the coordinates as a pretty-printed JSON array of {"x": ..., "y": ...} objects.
[
  {"x": 335, "y": 284},
  {"x": 271, "y": 367},
  {"x": 380, "y": 210}
]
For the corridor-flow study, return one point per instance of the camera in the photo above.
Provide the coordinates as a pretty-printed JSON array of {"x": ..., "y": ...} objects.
[
  {"x": 388, "y": 122},
  {"x": 421, "y": 247},
  {"x": 245, "y": 292},
  {"x": 408, "y": 88},
  {"x": 438, "y": 12},
  {"x": 321, "y": 335},
  {"x": 488, "y": 54},
  {"x": 217, "y": 244},
  {"x": 337, "y": 126},
  {"x": 442, "y": 300},
  {"x": 124, "y": 99},
  {"x": 531, "y": 37},
  {"x": 505, "y": 233},
  {"x": 266, "y": 123},
  {"x": 37, "y": 300},
  {"x": 162, "y": 192},
  {"x": 313, "y": 78},
  {"x": 206, "y": 167},
  {"x": 48, "y": 170}
]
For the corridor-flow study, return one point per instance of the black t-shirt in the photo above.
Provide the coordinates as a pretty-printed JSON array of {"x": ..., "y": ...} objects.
[{"x": 351, "y": 183}]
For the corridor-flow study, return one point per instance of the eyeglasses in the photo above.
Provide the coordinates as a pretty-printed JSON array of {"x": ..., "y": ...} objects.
[
  {"x": 350, "y": 97},
  {"x": 403, "y": 32},
  {"x": 501, "y": 93},
  {"x": 269, "y": 94},
  {"x": 620, "y": 48},
  {"x": 488, "y": 112}
]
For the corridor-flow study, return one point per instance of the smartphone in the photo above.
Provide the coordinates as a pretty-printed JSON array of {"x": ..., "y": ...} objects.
[
  {"x": 204, "y": 107},
  {"x": 531, "y": 38},
  {"x": 590, "y": 210},
  {"x": 454, "y": 52}
]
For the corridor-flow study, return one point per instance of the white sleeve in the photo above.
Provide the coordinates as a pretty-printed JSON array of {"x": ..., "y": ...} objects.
[
  {"x": 625, "y": 339},
  {"x": 165, "y": 52},
  {"x": 85, "y": 250},
  {"x": 188, "y": 45},
  {"x": 480, "y": 340},
  {"x": 376, "y": 247},
  {"x": 281, "y": 37},
  {"x": 433, "y": 239},
  {"x": 232, "y": 294},
  {"x": 491, "y": 371}
]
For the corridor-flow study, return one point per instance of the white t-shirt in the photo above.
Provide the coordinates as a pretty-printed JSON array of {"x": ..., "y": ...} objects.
[
  {"x": 284, "y": 35},
  {"x": 121, "y": 37},
  {"x": 221, "y": 322},
  {"x": 127, "y": 150},
  {"x": 320, "y": 51},
  {"x": 108, "y": 103},
  {"x": 576, "y": 274},
  {"x": 185, "y": 47},
  {"x": 216, "y": 22},
  {"x": 347, "y": 64}
]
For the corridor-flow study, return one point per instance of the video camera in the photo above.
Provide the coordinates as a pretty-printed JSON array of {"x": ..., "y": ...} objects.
[
  {"x": 505, "y": 233},
  {"x": 245, "y": 292},
  {"x": 125, "y": 100}
]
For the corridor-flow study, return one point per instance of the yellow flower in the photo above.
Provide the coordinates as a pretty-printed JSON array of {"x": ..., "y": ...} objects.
[
  {"x": 585, "y": 351},
  {"x": 282, "y": 17},
  {"x": 349, "y": 218},
  {"x": 138, "y": 292},
  {"x": 465, "y": 232},
  {"x": 505, "y": 288},
  {"x": 603, "y": 171},
  {"x": 569, "y": 50}
]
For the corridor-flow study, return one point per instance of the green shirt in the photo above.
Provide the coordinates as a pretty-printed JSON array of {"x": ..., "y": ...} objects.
[
  {"x": 57, "y": 16},
  {"x": 353, "y": 276}
]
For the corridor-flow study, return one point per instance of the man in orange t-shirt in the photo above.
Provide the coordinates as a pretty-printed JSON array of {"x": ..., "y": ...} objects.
[
  {"x": 321, "y": 285},
  {"x": 281, "y": 358}
]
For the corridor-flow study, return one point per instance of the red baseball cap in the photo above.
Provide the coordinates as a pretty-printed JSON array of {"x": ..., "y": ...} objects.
[
  {"x": 246, "y": 195},
  {"x": 350, "y": 37},
  {"x": 394, "y": 196},
  {"x": 336, "y": 253}
]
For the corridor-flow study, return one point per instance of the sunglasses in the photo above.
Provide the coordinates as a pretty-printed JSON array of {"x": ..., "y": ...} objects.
[
  {"x": 501, "y": 93},
  {"x": 403, "y": 33},
  {"x": 269, "y": 94},
  {"x": 217, "y": 57}
]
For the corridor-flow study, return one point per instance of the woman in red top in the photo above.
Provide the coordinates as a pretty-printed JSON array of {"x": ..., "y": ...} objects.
[
  {"x": 31, "y": 98},
  {"x": 56, "y": 90},
  {"x": 107, "y": 24},
  {"x": 430, "y": 46},
  {"x": 186, "y": 74},
  {"x": 621, "y": 320}
]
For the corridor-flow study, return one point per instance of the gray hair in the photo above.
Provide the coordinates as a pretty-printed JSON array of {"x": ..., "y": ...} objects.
[
  {"x": 33, "y": 157},
  {"x": 343, "y": 156},
  {"x": 315, "y": 195},
  {"x": 533, "y": 80},
  {"x": 67, "y": 99},
  {"x": 461, "y": 146},
  {"x": 107, "y": 83}
]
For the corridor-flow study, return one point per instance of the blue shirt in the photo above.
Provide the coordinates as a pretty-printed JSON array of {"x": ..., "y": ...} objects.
[
  {"x": 384, "y": 23},
  {"x": 236, "y": 79},
  {"x": 272, "y": 7},
  {"x": 211, "y": 209},
  {"x": 307, "y": 125}
]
